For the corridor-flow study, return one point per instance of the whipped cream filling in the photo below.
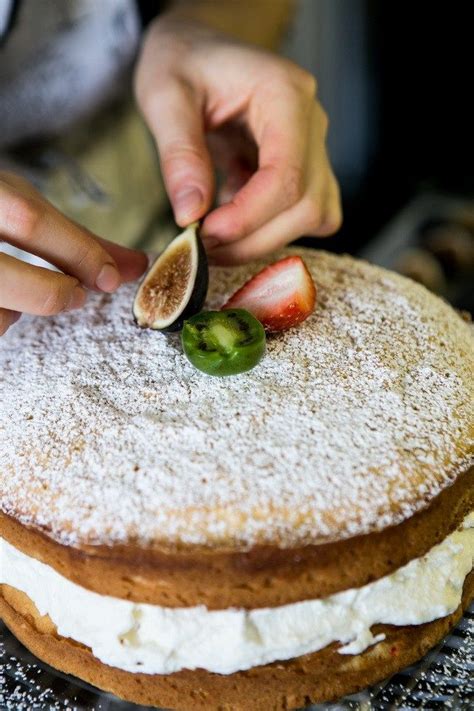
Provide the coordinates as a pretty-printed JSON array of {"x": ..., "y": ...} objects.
[{"x": 159, "y": 640}]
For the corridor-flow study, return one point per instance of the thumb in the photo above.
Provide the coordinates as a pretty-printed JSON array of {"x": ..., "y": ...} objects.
[{"x": 175, "y": 118}]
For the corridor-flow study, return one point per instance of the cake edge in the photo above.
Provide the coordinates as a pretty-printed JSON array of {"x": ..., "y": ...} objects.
[
  {"x": 312, "y": 678},
  {"x": 263, "y": 576}
]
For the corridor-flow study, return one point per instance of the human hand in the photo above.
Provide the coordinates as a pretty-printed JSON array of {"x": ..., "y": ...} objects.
[
  {"x": 30, "y": 222},
  {"x": 211, "y": 101}
]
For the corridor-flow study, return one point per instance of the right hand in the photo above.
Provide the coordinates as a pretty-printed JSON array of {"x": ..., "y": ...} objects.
[
  {"x": 30, "y": 222},
  {"x": 268, "y": 133}
]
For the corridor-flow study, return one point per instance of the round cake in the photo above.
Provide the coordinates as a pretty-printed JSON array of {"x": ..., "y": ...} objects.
[{"x": 266, "y": 540}]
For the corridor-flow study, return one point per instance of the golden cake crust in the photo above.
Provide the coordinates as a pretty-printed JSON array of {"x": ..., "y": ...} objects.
[
  {"x": 261, "y": 577},
  {"x": 345, "y": 454},
  {"x": 352, "y": 423},
  {"x": 321, "y": 676}
]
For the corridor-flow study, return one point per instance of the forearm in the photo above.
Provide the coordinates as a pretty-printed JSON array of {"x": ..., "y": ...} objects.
[{"x": 259, "y": 22}]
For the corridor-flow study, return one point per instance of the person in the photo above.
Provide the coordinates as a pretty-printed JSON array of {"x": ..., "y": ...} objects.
[{"x": 213, "y": 94}]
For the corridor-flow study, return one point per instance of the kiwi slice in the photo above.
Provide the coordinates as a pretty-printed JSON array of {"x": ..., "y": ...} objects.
[{"x": 223, "y": 342}]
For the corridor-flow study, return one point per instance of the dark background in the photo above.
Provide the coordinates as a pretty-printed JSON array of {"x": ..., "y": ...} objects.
[{"x": 420, "y": 86}]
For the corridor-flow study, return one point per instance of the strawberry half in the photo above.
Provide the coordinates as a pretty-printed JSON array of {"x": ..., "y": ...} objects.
[{"x": 280, "y": 296}]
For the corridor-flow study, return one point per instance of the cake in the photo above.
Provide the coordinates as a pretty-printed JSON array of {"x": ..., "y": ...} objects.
[{"x": 284, "y": 536}]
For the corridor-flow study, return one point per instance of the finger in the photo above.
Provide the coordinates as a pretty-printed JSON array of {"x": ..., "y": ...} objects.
[
  {"x": 279, "y": 181},
  {"x": 274, "y": 235},
  {"x": 235, "y": 157},
  {"x": 331, "y": 218},
  {"x": 236, "y": 178},
  {"x": 7, "y": 319},
  {"x": 323, "y": 209},
  {"x": 281, "y": 231},
  {"x": 130, "y": 262},
  {"x": 175, "y": 116},
  {"x": 31, "y": 223},
  {"x": 35, "y": 290},
  {"x": 318, "y": 214}
]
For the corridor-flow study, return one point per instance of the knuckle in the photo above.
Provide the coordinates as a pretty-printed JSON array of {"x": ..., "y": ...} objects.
[
  {"x": 177, "y": 151},
  {"x": 179, "y": 159},
  {"x": 90, "y": 257},
  {"x": 56, "y": 298},
  {"x": 140, "y": 95},
  {"x": 148, "y": 100},
  {"x": 331, "y": 223},
  {"x": 293, "y": 184},
  {"x": 146, "y": 94},
  {"x": 307, "y": 82},
  {"x": 167, "y": 89},
  {"x": 298, "y": 77},
  {"x": 240, "y": 224},
  {"x": 22, "y": 217},
  {"x": 324, "y": 119},
  {"x": 140, "y": 90},
  {"x": 310, "y": 215}
]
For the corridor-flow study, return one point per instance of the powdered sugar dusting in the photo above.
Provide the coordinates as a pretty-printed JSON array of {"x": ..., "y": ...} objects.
[{"x": 351, "y": 422}]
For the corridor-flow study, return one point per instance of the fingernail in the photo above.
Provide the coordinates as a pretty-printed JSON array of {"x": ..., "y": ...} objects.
[
  {"x": 108, "y": 279},
  {"x": 78, "y": 298},
  {"x": 187, "y": 203}
]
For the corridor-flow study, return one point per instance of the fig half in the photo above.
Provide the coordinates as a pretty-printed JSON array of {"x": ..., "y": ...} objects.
[{"x": 175, "y": 286}]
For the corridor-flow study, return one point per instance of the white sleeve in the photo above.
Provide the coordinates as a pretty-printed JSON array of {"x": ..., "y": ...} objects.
[{"x": 6, "y": 9}]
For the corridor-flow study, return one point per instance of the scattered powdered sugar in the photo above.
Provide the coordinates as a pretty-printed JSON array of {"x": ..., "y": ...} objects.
[
  {"x": 24, "y": 685},
  {"x": 352, "y": 421}
]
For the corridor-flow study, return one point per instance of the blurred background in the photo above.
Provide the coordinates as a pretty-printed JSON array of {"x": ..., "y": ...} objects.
[{"x": 395, "y": 79}]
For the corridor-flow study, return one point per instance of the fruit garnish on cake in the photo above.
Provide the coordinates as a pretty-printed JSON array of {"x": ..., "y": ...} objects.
[
  {"x": 281, "y": 295},
  {"x": 230, "y": 341},
  {"x": 223, "y": 342},
  {"x": 175, "y": 286}
]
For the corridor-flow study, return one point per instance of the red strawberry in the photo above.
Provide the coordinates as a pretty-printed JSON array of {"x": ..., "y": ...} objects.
[{"x": 280, "y": 296}]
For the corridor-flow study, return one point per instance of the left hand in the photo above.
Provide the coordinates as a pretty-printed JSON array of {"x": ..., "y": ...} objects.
[{"x": 211, "y": 101}]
